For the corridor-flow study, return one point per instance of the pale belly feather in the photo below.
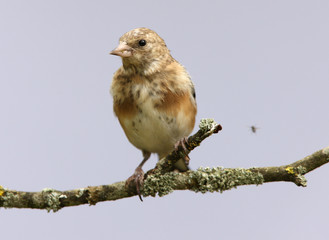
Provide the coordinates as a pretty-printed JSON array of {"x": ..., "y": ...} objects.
[{"x": 153, "y": 131}]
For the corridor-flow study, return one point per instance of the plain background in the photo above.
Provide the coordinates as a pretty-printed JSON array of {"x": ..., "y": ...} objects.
[{"x": 262, "y": 63}]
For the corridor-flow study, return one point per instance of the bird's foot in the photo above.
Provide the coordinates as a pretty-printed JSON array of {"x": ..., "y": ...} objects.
[
  {"x": 181, "y": 144},
  {"x": 136, "y": 181}
]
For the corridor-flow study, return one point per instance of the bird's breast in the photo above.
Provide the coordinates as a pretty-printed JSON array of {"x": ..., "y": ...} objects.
[{"x": 154, "y": 113}]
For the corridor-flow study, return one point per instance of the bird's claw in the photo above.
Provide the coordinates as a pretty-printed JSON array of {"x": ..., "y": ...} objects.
[
  {"x": 181, "y": 143},
  {"x": 137, "y": 181}
]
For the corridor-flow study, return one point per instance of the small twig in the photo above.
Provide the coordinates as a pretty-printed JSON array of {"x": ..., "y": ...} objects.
[{"x": 207, "y": 128}]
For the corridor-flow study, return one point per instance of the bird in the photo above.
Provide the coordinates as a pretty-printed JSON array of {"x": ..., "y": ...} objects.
[{"x": 153, "y": 98}]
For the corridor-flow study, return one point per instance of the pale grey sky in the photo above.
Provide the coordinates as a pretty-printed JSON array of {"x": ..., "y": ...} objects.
[{"x": 263, "y": 63}]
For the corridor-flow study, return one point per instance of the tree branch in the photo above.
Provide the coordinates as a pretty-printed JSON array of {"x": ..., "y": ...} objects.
[{"x": 162, "y": 180}]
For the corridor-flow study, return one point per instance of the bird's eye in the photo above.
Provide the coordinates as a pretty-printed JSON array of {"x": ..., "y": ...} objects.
[{"x": 142, "y": 42}]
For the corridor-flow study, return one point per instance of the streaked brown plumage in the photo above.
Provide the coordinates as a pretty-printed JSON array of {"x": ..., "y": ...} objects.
[{"x": 153, "y": 96}]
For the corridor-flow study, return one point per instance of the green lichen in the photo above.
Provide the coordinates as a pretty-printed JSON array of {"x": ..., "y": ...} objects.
[
  {"x": 203, "y": 180},
  {"x": 52, "y": 199},
  {"x": 219, "y": 179},
  {"x": 8, "y": 197},
  {"x": 161, "y": 184},
  {"x": 206, "y": 124}
]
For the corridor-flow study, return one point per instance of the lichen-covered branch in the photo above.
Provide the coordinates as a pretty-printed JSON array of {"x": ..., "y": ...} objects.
[
  {"x": 161, "y": 180},
  {"x": 207, "y": 127}
]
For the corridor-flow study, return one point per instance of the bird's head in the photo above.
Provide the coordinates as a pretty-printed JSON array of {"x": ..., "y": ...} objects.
[{"x": 142, "y": 50}]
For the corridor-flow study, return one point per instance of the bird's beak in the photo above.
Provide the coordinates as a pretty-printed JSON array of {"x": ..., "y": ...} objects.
[{"x": 123, "y": 50}]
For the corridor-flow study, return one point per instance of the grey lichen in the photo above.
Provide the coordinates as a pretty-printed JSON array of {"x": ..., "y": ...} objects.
[
  {"x": 325, "y": 151},
  {"x": 301, "y": 170},
  {"x": 301, "y": 180},
  {"x": 80, "y": 192},
  {"x": 219, "y": 179},
  {"x": 161, "y": 184},
  {"x": 206, "y": 124},
  {"x": 52, "y": 198}
]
